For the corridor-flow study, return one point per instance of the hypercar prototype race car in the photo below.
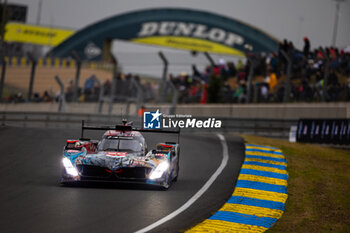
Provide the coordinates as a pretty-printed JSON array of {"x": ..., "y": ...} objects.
[{"x": 120, "y": 156}]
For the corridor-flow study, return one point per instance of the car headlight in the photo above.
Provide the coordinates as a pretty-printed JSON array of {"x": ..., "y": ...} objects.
[
  {"x": 160, "y": 169},
  {"x": 70, "y": 169}
]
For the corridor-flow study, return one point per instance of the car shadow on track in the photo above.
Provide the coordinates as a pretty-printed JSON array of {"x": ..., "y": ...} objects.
[{"x": 105, "y": 185}]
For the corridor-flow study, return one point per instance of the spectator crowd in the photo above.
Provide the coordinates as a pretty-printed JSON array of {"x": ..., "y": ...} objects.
[
  {"x": 227, "y": 82},
  {"x": 319, "y": 74},
  {"x": 126, "y": 88}
]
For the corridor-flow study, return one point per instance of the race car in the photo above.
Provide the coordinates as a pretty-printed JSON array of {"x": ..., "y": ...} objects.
[{"x": 120, "y": 156}]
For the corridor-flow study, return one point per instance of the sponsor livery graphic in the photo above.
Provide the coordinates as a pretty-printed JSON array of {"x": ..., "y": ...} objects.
[
  {"x": 151, "y": 120},
  {"x": 121, "y": 155}
]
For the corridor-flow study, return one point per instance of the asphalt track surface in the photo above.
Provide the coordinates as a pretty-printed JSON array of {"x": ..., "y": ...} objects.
[{"x": 32, "y": 199}]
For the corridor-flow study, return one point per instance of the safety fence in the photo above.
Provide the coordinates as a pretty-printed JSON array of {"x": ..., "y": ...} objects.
[{"x": 115, "y": 89}]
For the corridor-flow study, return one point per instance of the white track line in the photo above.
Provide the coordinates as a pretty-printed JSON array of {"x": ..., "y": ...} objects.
[{"x": 198, "y": 194}]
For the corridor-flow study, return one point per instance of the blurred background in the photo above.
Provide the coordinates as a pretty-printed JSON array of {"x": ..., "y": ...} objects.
[{"x": 229, "y": 58}]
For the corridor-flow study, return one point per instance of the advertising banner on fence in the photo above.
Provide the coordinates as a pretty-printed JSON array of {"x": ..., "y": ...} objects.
[
  {"x": 330, "y": 131},
  {"x": 32, "y": 34}
]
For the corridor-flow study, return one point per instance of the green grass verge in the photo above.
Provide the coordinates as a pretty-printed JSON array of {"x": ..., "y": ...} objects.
[{"x": 318, "y": 187}]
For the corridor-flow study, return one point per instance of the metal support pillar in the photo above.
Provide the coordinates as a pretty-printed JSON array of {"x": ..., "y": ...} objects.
[
  {"x": 3, "y": 73},
  {"x": 139, "y": 97},
  {"x": 325, "y": 76},
  {"x": 287, "y": 80},
  {"x": 256, "y": 93},
  {"x": 210, "y": 59},
  {"x": 175, "y": 98},
  {"x": 114, "y": 83},
  {"x": 77, "y": 75},
  {"x": 32, "y": 75},
  {"x": 250, "y": 77},
  {"x": 61, "y": 98},
  {"x": 100, "y": 96},
  {"x": 162, "y": 91},
  {"x": 336, "y": 20}
]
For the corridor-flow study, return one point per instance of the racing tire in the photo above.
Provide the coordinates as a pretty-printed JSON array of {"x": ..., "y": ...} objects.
[
  {"x": 177, "y": 173},
  {"x": 67, "y": 184},
  {"x": 167, "y": 184},
  {"x": 177, "y": 167}
]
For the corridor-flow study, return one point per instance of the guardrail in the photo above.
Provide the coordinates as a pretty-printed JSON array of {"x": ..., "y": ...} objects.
[{"x": 264, "y": 127}]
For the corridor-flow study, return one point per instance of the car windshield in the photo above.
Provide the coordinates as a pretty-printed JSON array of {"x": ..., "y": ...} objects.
[{"x": 120, "y": 145}]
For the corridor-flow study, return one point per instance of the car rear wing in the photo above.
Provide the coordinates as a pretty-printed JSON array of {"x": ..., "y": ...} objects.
[{"x": 127, "y": 128}]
